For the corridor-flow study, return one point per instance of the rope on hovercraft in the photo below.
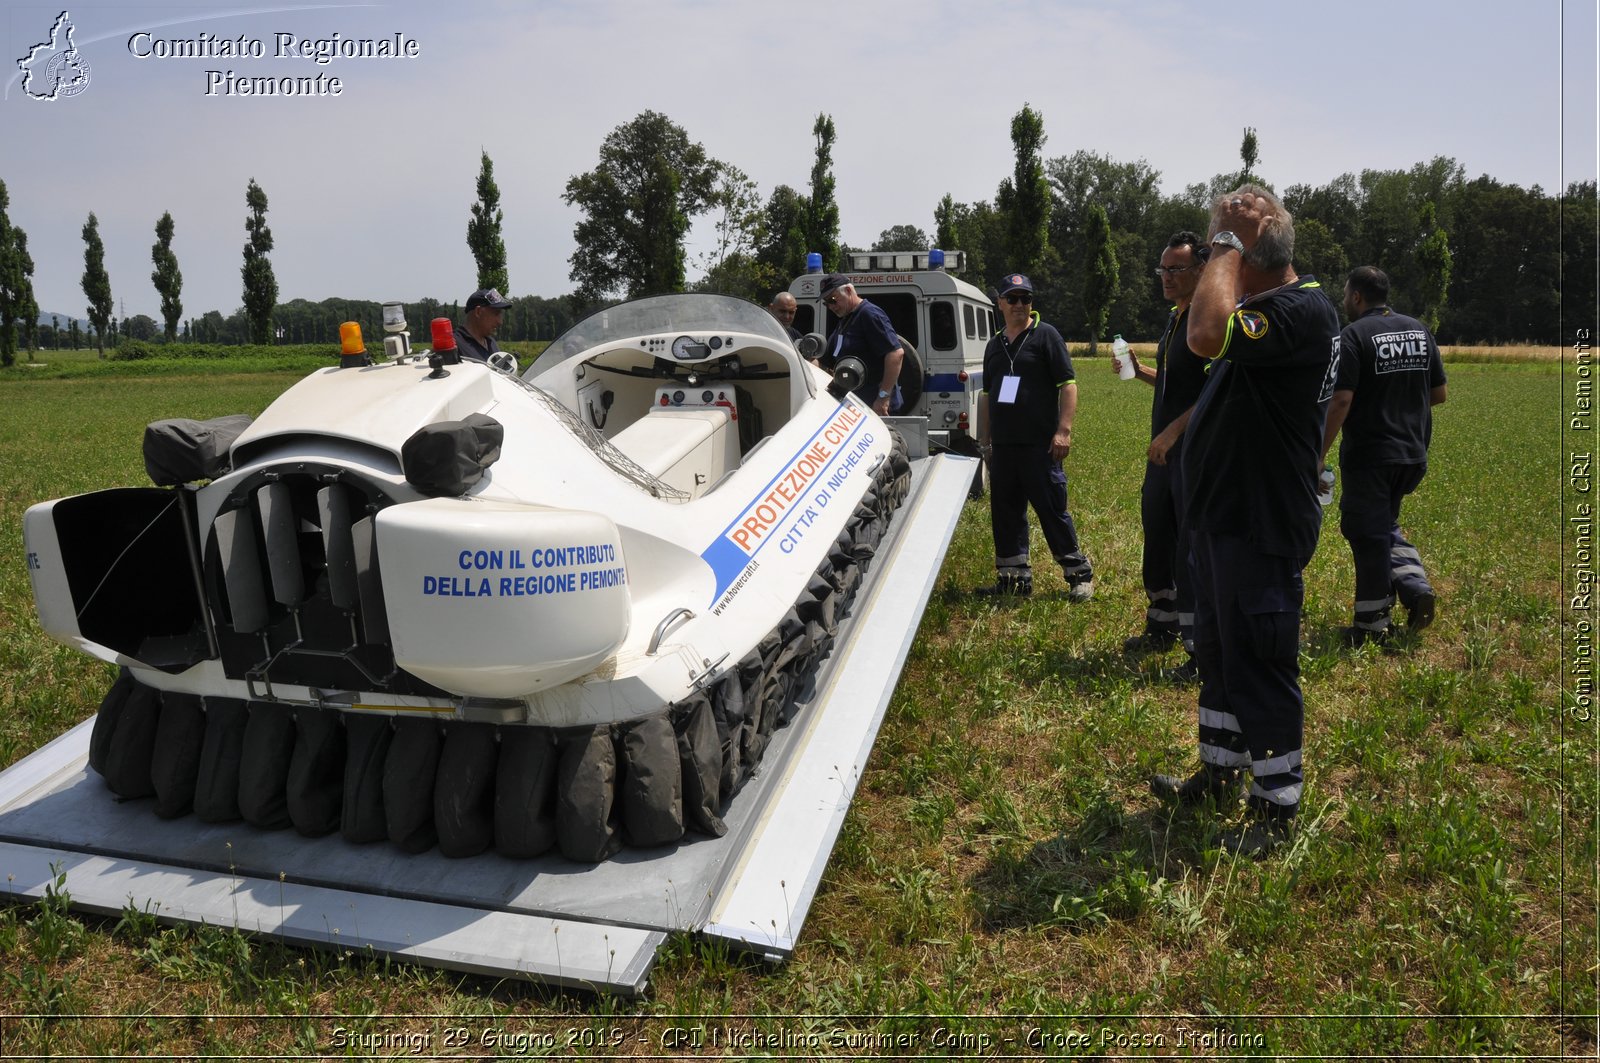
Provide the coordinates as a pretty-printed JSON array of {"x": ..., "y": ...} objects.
[{"x": 624, "y": 466}]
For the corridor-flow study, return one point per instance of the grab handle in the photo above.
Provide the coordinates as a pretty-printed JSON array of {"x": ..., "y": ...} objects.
[{"x": 672, "y": 620}]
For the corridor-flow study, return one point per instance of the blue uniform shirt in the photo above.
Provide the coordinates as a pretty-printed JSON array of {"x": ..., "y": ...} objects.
[
  {"x": 1180, "y": 373},
  {"x": 468, "y": 347},
  {"x": 1254, "y": 441},
  {"x": 865, "y": 333}
]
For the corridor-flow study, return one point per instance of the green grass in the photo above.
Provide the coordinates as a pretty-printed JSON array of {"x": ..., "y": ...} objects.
[{"x": 1003, "y": 865}]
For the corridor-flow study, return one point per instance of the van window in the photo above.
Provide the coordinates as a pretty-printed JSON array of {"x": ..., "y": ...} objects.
[
  {"x": 966, "y": 317},
  {"x": 805, "y": 318},
  {"x": 901, "y": 308},
  {"x": 942, "y": 325},
  {"x": 984, "y": 323}
]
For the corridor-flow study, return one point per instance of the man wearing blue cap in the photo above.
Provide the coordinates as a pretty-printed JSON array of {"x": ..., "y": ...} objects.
[
  {"x": 864, "y": 332},
  {"x": 486, "y": 309},
  {"x": 1032, "y": 397}
]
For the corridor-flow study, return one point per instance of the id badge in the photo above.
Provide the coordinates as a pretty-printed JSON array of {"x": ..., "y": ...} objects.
[{"x": 1008, "y": 389}]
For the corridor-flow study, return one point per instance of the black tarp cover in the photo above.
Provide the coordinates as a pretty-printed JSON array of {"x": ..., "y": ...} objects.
[{"x": 183, "y": 451}]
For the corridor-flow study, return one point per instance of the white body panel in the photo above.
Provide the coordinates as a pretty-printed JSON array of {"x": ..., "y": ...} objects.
[{"x": 705, "y": 574}]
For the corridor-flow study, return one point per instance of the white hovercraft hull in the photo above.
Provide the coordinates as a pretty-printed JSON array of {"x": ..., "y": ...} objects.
[{"x": 586, "y": 644}]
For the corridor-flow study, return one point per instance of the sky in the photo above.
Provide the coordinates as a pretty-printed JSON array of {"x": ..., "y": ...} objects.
[{"x": 370, "y": 190}]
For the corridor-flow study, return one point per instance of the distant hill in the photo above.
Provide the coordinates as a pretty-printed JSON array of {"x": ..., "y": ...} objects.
[{"x": 64, "y": 320}]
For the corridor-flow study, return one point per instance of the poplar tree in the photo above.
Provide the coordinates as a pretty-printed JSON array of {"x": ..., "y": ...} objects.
[
  {"x": 1028, "y": 221},
  {"x": 483, "y": 231},
  {"x": 96, "y": 282},
  {"x": 822, "y": 212},
  {"x": 16, "y": 281},
  {"x": 1249, "y": 154},
  {"x": 260, "y": 286},
  {"x": 166, "y": 278},
  {"x": 1434, "y": 261},
  {"x": 1100, "y": 274}
]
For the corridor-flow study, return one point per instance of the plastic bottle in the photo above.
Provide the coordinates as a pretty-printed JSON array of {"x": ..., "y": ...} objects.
[
  {"x": 1119, "y": 351},
  {"x": 1325, "y": 486}
]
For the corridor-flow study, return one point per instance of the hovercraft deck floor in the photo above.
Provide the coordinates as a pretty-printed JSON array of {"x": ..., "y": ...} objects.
[{"x": 588, "y": 926}]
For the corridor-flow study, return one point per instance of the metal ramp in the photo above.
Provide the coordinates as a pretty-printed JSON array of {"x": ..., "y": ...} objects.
[{"x": 593, "y": 927}]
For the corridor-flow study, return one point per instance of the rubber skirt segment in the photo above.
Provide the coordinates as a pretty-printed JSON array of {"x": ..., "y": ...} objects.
[
  {"x": 586, "y": 790},
  {"x": 132, "y": 745},
  {"x": 463, "y": 791},
  {"x": 315, "y": 786},
  {"x": 525, "y": 792},
  {"x": 700, "y": 749},
  {"x": 366, "y": 745},
  {"x": 175, "y": 763},
  {"x": 216, "y": 787},
  {"x": 264, "y": 768},
  {"x": 652, "y": 783},
  {"x": 408, "y": 774},
  {"x": 105, "y": 721}
]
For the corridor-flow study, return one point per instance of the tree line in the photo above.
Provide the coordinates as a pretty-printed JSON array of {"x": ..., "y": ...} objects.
[{"x": 1481, "y": 261}]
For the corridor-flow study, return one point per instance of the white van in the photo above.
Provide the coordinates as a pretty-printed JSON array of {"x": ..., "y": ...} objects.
[{"x": 945, "y": 322}]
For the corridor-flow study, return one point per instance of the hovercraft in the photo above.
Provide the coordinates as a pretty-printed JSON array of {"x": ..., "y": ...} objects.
[{"x": 434, "y": 603}]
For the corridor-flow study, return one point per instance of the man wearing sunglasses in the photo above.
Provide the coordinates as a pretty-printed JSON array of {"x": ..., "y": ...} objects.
[
  {"x": 864, "y": 332},
  {"x": 1177, "y": 378},
  {"x": 1032, "y": 397}
]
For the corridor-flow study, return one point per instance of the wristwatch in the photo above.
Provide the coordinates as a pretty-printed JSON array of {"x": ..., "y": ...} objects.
[
  {"x": 1227, "y": 239},
  {"x": 883, "y": 394}
]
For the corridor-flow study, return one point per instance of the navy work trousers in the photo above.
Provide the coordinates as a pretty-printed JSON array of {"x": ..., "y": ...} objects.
[
  {"x": 1369, "y": 519},
  {"x": 1023, "y": 476},
  {"x": 1166, "y": 550},
  {"x": 1247, "y": 641}
]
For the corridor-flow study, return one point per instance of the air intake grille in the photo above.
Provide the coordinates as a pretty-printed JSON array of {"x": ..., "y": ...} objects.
[{"x": 292, "y": 572}]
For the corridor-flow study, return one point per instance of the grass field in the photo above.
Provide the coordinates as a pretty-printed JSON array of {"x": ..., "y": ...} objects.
[{"x": 1003, "y": 869}]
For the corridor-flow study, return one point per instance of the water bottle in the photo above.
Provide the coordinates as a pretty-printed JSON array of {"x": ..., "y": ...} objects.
[
  {"x": 1119, "y": 351},
  {"x": 1325, "y": 486}
]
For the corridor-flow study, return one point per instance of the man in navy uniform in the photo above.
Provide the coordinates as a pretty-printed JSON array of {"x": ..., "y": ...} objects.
[
  {"x": 1177, "y": 378},
  {"x": 1250, "y": 464},
  {"x": 1390, "y": 378},
  {"x": 1031, "y": 398},
  {"x": 486, "y": 309},
  {"x": 864, "y": 332}
]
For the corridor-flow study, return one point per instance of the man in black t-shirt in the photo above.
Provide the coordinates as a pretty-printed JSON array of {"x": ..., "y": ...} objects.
[
  {"x": 485, "y": 310},
  {"x": 1250, "y": 466},
  {"x": 1390, "y": 378},
  {"x": 1177, "y": 378},
  {"x": 1031, "y": 397}
]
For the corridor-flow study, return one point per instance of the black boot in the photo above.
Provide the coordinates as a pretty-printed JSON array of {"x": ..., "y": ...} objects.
[
  {"x": 1209, "y": 783},
  {"x": 1258, "y": 836},
  {"x": 1015, "y": 584}
]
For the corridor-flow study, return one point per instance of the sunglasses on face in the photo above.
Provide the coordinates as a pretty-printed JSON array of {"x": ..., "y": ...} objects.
[
  {"x": 829, "y": 301},
  {"x": 1172, "y": 271},
  {"x": 1018, "y": 298}
]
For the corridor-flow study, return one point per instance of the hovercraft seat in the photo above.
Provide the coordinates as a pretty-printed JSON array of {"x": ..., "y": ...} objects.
[{"x": 687, "y": 444}]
